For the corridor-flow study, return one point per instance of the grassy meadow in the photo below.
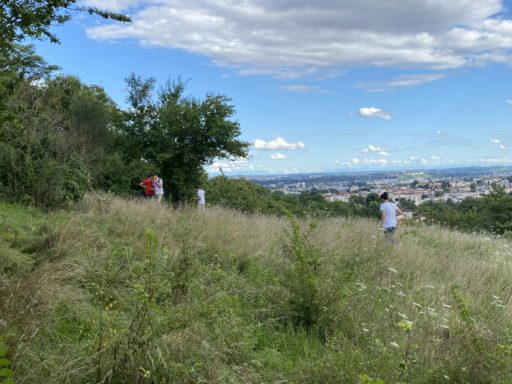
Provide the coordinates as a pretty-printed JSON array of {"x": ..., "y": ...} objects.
[{"x": 120, "y": 291}]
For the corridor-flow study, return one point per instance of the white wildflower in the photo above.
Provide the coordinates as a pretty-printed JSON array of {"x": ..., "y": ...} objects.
[
  {"x": 402, "y": 315},
  {"x": 416, "y": 304},
  {"x": 447, "y": 306},
  {"x": 392, "y": 270},
  {"x": 393, "y": 344},
  {"x": 361, "y": 286}
]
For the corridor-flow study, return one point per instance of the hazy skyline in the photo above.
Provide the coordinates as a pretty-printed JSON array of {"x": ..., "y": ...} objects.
[{"x": 320, "y": 85}]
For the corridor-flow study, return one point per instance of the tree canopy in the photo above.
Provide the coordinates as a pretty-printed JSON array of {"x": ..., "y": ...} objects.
[
  {"x": 21, "y": 19},
  {"x": 179, "y": 134}
]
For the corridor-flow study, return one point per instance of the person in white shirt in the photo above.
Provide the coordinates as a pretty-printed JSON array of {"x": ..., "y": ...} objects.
[
  {"x": 388, "y": 221},
  {"x": 158, "y": 188},
  {"x": 201, "y": 201}
]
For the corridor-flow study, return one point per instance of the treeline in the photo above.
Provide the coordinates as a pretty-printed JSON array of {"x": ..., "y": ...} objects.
[
  {"x": 60, "y": 137},
  {"x": 491, "y": 213},
  {"x": 248, "y": 197}
]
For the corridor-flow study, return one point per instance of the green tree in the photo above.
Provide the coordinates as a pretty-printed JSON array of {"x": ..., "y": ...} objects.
[
  {"x": 57, "y": 134},
  {"x": 407, "y": 204},
  {"x": 243, "y": 195},
  {"x": 179, "y": 134},
  {"x": 21, "y": 19}
]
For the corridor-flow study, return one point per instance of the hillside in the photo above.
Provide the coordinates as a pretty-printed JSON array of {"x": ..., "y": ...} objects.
[{"x": 120, "y": 291}]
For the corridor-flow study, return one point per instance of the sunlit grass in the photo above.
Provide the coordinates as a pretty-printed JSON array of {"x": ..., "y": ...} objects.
[{"x": 213, "y": 299}]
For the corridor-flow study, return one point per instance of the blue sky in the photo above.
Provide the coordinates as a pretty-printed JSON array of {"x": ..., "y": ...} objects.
[{"x": 323, "y": 85}]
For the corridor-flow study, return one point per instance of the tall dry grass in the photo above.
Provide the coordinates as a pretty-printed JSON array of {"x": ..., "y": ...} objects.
[{"x": 223, "y": 301}]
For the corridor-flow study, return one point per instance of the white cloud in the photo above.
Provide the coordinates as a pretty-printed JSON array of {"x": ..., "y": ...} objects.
[
  {"x": 290, "y": 39},
  {"x": 276, "y": 144},
  {"x": 509, "y": 101},
  {"x": 502, "y": 147},
  {"x": 112, "y": 5},
  {"x": 278, "y": 156},
  {"x": 365, "y": 162},
  {"x": 403, "y": 81},
  {"x": 435, "y": 158},
  {"x": 229, "y": 166},
  {"x": 373, "y": 112},
  {"x": 371, "y": 148},
  {"x": 375, "y": 149},
  {"x": 495, "y": 141},
  {"x": 299, "y": 88}
]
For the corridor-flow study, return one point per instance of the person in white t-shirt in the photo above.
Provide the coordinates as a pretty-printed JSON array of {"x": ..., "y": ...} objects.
[
  {"x": 201, "y": 201},
  {"x": 158, "y": 188},
  {"x": 388, "y": 221}
]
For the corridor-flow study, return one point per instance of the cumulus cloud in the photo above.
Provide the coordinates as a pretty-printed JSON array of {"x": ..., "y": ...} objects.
[
  {"x": 278, "y": 156},
  {"x": 495, "y": 141},
  {"x": 229, "y": 166},
  {"x": 375, "y": 149},
  {"x": 403, "y": 81},
  {"x": 501, "y": 146},
  {"x": 297, "y": 38},
  {"x": 373, "y": 112},
  {"x": 277, "y": 144},
  {"x": 435, "y": 158},
  {"x": 509, "y": 101},
  {"x": 371, "y": 148}
]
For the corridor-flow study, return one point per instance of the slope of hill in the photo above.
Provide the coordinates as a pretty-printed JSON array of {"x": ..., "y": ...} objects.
[{"x": 120, "y": 291}]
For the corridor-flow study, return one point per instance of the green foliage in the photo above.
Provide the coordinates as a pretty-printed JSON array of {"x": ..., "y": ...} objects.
[
  {"x": 302, "y": 281},
  {"x": 368, "y": 206},
  {"x": 6, "y": 374},
  {"x": 58, "y": 133},
  {"x": 21, "y": 19},
  {"x": 490, "y": 213},
  {"x": 179, "y": 134},
  {"x": 241, "y": 194}
]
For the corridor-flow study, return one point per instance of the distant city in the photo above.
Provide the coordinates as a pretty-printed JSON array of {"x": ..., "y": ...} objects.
[{"x": 419, "y": 186}]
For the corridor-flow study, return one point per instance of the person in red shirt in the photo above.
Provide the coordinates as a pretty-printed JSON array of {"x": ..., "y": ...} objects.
[{"x": 147, "y": 184}]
